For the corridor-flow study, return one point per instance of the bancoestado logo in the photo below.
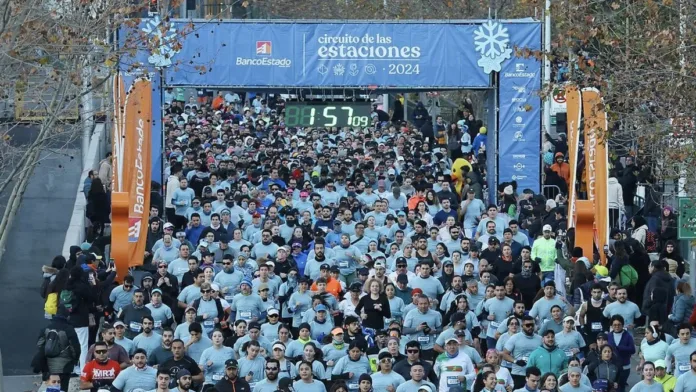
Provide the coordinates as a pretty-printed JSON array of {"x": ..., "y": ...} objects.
[{"x": 264, "y": 51}]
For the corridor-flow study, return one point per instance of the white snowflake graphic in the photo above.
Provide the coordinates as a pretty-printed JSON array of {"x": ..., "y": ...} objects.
[
  {"x": 339, "y": 69},
  {"x": 492, "y": 40},
  {"x": 163, "y": 50}
]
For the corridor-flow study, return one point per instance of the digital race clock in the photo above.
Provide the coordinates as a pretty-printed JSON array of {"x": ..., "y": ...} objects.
[{"x": 327, "y": 114}]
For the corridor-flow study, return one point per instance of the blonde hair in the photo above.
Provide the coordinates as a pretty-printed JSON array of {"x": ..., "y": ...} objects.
[{"x": 369, "y": 284}]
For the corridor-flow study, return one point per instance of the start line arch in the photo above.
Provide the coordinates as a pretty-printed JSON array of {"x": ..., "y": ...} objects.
[{"x": 398, "y": 56}]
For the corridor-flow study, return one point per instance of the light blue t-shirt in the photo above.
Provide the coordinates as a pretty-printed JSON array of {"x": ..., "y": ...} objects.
[
  {"x": 218, "y": 356},
  {"x": 381, "y": 381},
  {"x": 196, "y": 349},
  {"x": 346, "y": 365},
  {"x": 120, "y": 297},
  {"x": 431, "y": 286},
  {"x": 256, "y": 365},
  {"x": 415, "y": 318},
  {"x": 520, "y": 346},
  {"x": 642, "y": 386},
  {"x": 473, "y": 212},
  {"x": 685, "y": 383},
  {"x": 147, "y": 343},
  {"x": 580, "y": 388},
  {"x": 130, "y": 378},
  {"x": 501, "y": 309},
  {"x": 542, "y": 308},
  {"x": 628, "y": 310},
  {"x": 314, "y": 386}
]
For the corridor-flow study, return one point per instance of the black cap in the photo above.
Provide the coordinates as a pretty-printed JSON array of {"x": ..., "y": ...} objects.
[
  {"x": 458, "y": 316},
  {"x": 402, "y": 278},
  {"x": 182, "y": 373},
  {"x": 384, "y": 354},
  {"x": 334, "y": 268},
  {"x": 324, "y": 266},
  {"x": 304, "y": 326},
  {"x": 390, "y": 216},
  {"x": 231, "y": 364},
  {"x": 460, "y": 333},
  {"x": 493, "y": 240},
  {"x": 356, "y": 286},
  {"x": 550, "y": 283},
  {"x": 285, "y": 384},
  {"x": 602, "y": 335},
  {"x": 401, "y": 260},
  {"x": 253, "y": 325},
  {"x": 363, "y": 271}
]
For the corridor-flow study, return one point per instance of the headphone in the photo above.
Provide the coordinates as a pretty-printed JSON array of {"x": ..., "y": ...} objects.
[{"x": 654, "y": 334}]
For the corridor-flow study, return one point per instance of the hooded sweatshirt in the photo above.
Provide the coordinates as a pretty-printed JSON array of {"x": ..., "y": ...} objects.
[{"x": 548, "y": 359}]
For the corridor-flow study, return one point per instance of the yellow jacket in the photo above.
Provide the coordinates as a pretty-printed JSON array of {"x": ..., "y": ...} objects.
[{"x": 668, "y": 382}]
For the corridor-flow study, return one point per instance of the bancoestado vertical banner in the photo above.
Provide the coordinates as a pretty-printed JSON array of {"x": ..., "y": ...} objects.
[
  {"x": 519, "y": 141},
  {"x": 131, "y": 170}
]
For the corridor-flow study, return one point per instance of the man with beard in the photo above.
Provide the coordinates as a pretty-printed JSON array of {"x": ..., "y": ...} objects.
[
  {"x": 519, "y": 347},
  {"x": 181, "y": 362},
  {"x": 270, "y": 383},
  {"x": 164, "y": 352},
  {"x": 456, "y": 289},
  {"x": 147, "y": 340},
  {"x": 266, "y": 248},
  {"x": 184, "y": 381},
  {"x": 527, "y": 283},
  {"x": 101, "y": 371},
  {"x": 167, "y": 283},
  {"x": 115, "y": 352},
  {"x": 288, "y": 227},
  {"x": 423, "y": 254},
  {"x": 228, "y": 279},
  {"x": 231, "y": 382},
  {"x": 591, "y": 314},
  {"x": 518, "y": 311},
  {"x": 133, "y": 314}
]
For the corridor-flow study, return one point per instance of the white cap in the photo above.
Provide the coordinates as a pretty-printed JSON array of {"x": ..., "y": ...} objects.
[
  {"x": 547, "y": 228},
  {"x": 168, "y": 225},
  {"x": 425, "y": 388},
  {"x": 391, "y": 171},
  {"x": 214, "y": 287},
  {"x": 272, "y": 312}
]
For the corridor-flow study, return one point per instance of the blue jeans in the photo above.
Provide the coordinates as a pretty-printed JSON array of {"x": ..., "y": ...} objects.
[{"x": 545, "y": 276}]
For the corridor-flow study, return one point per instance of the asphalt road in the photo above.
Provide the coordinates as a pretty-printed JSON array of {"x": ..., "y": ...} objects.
[{"x": 36, "y": 237}]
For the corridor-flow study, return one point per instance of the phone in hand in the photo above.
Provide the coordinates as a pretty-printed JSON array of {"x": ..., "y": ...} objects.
[{"x": 112, "y": 262}]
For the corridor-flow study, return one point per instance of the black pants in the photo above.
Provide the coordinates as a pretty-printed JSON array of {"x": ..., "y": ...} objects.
[
  {"x": 520, "y": 381},
  {"x": 613, "y": 218}
]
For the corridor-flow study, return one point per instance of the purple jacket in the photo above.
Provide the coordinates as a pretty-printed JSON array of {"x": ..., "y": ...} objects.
[{"x": 625, "y": 348}]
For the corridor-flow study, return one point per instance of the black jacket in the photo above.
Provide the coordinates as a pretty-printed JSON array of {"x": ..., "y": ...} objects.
[
  {"x": 660, "y": 279},
  {"x": 238, "y": 385},
  {"x": 85, "y": 297},
  {"x": 404, "y": 369}
]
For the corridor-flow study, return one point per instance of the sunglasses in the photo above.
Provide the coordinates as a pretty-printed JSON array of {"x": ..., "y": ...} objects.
[
  {"x": 162, "y": 266},
  {"x": 272, "y": 315},
  {"x": 385, "y": 360},
  {"x": 413, "y": 351},
  {"x": 100, "y": 351},
  {"x": 528, "y": 325},
  {"x": 127, "y": 286},
  {"x": 273, "y": 369},
  {"x": 227, "y": 263},
  {"x": 205, "y": 291}
]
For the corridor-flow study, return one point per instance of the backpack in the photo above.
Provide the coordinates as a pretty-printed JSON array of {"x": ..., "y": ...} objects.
[
  {"x": 67, "y": 299},
  {"x": 56, "y": 343},
  {"x": 628, "y": 276},
  {"x": 651, "y": 242},
  {"x": 51, "y": 305}
]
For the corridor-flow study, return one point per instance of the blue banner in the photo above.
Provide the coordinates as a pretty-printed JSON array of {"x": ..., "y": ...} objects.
[
  {"x": 408, "y": 55},
  {"x": 519, "y": 105}
]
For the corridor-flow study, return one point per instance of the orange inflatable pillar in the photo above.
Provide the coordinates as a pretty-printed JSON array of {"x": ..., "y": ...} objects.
[{"x": 119, "y": 233}]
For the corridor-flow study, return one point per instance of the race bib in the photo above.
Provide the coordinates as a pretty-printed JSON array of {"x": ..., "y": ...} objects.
[
  {"x": 246, "y": 315},
  {"x": 423, "y": 339},
  {"x": 342, "y": 264},
  {"x": 354, "y": 386},
  {"x": 684, "y": 367},
  {"x": 158, "y": 324},
  {"x": 209, "y": 323},
  {"x": 181, "y": 270},
  {"x": 452, "y": 380},
  {"x": 596, "y": 327},
  {"x": 217, "y": 376},
  {"x": 135, "y": 326},
  {"x": 568, "y": 353},
  {"x": 494, "y": 325},
  {"x": 525, "y": 358}
]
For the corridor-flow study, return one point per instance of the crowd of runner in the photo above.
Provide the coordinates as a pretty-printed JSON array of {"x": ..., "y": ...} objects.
[{"x": 356, "y": 260}]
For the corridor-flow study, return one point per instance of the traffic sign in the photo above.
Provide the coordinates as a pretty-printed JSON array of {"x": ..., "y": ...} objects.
[{"x": 686, "y": 220}]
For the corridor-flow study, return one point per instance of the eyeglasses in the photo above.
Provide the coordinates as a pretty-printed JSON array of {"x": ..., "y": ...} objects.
[
  {"x": 227, "y": 263},
  {"x": 100, "y": 351},
  {"x": 385, "y": 360},
  {"x": 272, "y": 315},
  {"x": 205, "y": 291},
  {"x": 130, "y": 286}
]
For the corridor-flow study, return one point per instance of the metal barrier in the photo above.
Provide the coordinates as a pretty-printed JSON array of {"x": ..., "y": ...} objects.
[{"x": 550, "y": 191}]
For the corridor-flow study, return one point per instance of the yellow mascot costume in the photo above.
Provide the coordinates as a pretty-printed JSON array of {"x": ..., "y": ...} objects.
[{"x": 457, "y": 175}]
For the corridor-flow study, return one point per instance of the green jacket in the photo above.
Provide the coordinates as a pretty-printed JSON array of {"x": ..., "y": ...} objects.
[{"x": 548, "y": 361}]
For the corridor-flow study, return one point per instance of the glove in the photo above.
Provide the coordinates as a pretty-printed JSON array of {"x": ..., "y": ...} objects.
[
  {"x": 559, "y": 245},
  {"x": 537, "y": 260},
  {"x": 521, "y": 362},
  {"x": 97, "y": 383}
]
